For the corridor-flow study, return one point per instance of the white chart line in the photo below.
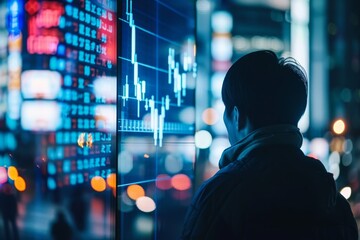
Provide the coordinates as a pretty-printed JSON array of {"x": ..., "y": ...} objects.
[
  {"x": 145, "y": 65},
  {"x": 144, "y": 181}
]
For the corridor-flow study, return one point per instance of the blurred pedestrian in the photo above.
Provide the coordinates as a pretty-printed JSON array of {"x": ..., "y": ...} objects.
[
  {"x": 9, "y": 211},
  {"x": 61, "y": 228}
]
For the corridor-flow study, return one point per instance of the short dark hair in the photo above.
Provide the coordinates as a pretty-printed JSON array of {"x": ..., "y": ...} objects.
[{"x": 266, "y": 89}]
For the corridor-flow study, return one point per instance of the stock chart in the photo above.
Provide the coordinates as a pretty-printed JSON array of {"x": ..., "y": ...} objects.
[{"x": 156, "y": 116}]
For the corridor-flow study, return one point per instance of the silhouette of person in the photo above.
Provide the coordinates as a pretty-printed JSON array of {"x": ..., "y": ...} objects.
[
  {"x": 60, "y": 228},
  {"x": 9, "y": 210},
  {"x": 266, "y": 187}
]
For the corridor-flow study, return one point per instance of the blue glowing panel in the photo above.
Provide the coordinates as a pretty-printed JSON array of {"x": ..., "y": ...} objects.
[
  {"x": 68, "y": 85},
  {"x": 156, "y": 117},
  {"x": 158, "y": 69}
]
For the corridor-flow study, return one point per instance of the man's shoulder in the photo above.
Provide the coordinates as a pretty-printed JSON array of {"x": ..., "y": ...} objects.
[
  {"x": 218, "y": 187},
  {"x": 204, "y": 211}
]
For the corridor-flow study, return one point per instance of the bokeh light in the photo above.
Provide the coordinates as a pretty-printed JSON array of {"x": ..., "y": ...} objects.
[
  {"x": 222, "y": 48},
  {"x": 181, "y": 182},
  {"x": 111, "y": 180},
  {"x": 335, "y": 170},
  {"x": 334, "y": 158},
  {"x": 216, "y": 83},
  {"x": 210, "y": 116},
  {"x": 144, "y": 225},
  {"x": 145, "y": 204},
  {"x": 217, "y": 147},
  {"x": 20, "y": 184},
  {"x": 346, "y": 192},
  {"x": 135, "y": 191},
  {"x": 13, "y": 172},
  {"x": 125, "y": 162},
  {"x": 348, "y": 146},
  {"x": 203, "y": 139},
  {"x": 173, "y": 163},
  {"x": 187, "y": 115},
  {"x": 319, "y": 147},
  {"x": 222, "y": 22},
  {"x": 163, "y": 182},
  {"x": 334, "y": 161},
  {"x": 339, "y": 126},
  {"x": 337, "y": 144},
  {"x": 98, "y": 184},
  {"x": 3, "y": 175}
]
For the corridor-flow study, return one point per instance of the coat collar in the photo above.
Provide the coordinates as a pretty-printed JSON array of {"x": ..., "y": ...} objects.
[{"x": 272, "y": 135}]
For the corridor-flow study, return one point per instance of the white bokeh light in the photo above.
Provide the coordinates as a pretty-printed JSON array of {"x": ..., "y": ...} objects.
[
  {"x": 216, "y": 150},
  {"x": 173, "y": 163},
  {"x": 222, "y": 48},
  {"x": 216, "y": 83},
  {"x": 125, "y": 161},
  {"x": 145, "y": 204},
  {"x": 221, "y": 22},
  {"x": 346, "y": 192},
  {"x": 319, "y": 147},
  {"x": 203, "y": 139}
]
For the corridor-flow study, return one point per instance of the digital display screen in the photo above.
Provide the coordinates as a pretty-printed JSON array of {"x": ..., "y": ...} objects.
[
  {"x": 58, "y": 80},
  {"x": 156, "y": 117}
]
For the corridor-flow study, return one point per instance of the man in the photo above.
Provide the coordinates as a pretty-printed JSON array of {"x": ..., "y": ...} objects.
[{"x": 266, "y": 187}]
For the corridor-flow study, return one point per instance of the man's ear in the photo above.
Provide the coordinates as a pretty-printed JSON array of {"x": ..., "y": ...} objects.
[
  {"x": 239, "y": 119},
  {"x": 235, "y": 118}
]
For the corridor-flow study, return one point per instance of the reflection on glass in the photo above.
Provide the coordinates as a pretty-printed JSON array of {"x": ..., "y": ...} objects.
[{"x": 156, "y": 150}]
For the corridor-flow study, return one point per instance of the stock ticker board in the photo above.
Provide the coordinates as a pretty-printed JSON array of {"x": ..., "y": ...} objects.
[
  {"x": 73, "y": 46},
  {"x": 61, "y": 87}
]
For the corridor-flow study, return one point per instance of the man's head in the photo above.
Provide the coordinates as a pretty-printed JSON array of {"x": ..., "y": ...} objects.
[{"x": 264, "y": 90}]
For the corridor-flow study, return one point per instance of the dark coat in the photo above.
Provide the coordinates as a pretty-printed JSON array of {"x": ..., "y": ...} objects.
[{"x": 275, "y": 192}]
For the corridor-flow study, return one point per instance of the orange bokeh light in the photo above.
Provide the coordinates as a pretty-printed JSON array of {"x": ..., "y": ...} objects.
[
  {"x": 210, "y": 116},
  {"x": 135, "y": 191},
  {"x": 111, "y": 180},
  {"x": 98, "y": 184},
  {"x": 13, "y": 172},
  {"x": 20, "y": 184},
  {"x": 181, "y": 182}
]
